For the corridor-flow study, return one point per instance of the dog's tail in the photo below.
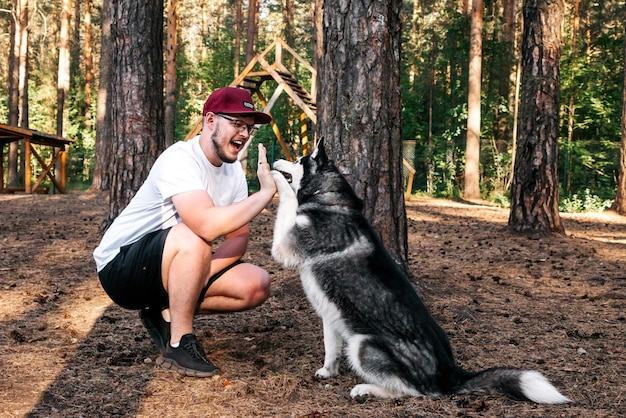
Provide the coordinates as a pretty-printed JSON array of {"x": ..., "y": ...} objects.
[{"x": 518, "y": 384}]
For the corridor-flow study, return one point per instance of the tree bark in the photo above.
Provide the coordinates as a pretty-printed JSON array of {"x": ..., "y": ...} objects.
[
  {"x": 88, "y": 56},
  {"x": 253, "y": 13},
  {"x": 619, "y": 205},
  {"x": 359, "y": 109},
  {"x": 136, "y": 105},
  {"x": 13, "y": 99},
  {"x": 238, "y": 31},
  {"x": 101, "y": 174},
  {"x": 23, "y": 67},
  {"x": 571, "y": 106},
  {"x": 535, "y": 187},
  {"x": 288, "y": 31},
  {"x": 318, "y": 36},
  {"x": 472, "y": 147},
  {"x": 170, "y": 81},
  {"x": 63, "y": 77}
]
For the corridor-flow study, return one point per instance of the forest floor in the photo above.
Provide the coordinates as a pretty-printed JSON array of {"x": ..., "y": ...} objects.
[{"x": 554, "y": 304}]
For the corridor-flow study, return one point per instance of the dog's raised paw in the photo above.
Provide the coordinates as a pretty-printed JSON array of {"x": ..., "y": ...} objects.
[{"x": 281, "y": 182}]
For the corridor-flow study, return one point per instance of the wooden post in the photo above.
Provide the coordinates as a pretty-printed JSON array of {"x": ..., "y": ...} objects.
[
  {"x": 304, "y": 134},
  {"x": 27, "y": 173},
  {"x": 1, "y": 166},
  {"x": 63, "y": 168}
]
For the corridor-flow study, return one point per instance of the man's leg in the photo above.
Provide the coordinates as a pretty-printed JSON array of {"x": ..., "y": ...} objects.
[
  {"x": 186, "y": 265},
  {"x": 244, "y": 286}
]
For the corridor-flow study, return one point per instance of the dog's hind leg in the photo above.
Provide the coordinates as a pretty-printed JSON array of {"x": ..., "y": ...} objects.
[
  {"x": 333, "y": 344},
  {"x": 373, "y": 361}
]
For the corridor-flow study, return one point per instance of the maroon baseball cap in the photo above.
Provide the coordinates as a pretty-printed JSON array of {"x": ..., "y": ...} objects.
[{"x": 234, "y": 100}]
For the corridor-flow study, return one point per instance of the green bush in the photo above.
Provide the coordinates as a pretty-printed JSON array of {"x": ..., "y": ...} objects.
[{"x": 584, "y": 202}]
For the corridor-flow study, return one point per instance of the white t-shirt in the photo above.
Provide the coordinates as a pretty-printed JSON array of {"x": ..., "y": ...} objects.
[{"x": 182, "y": 167}]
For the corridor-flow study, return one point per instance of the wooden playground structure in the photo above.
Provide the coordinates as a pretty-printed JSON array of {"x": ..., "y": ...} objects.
[
  {"x": 258, "y": 71},
  {"x": 29, "y": 137}
]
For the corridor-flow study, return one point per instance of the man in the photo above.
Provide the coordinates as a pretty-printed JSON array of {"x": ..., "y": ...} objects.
[{"x": 157, "y": 255}]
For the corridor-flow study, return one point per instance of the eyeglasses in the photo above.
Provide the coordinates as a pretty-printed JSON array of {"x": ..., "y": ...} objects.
[{"x": 239, "y": 125}]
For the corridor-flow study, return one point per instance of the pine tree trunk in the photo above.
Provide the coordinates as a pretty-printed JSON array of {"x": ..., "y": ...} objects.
[
  {"x": 23, "y": 72},
  {"x": 472, "y": 148},
  {"x": 63, "y": 76},
  {"x": 136, "y": 105},
  {"x": 88, "y": 56},
  {"x": 535, "y": 187},
  {"x": 359, "y": 109},
  {"x": 104, "y": 131},
  {"x": 14, "y": 92},
  {"x": 253, "y": 13},
  {"x": 318, "y": 36},
  {"x": 238, "y": 31},
  {"x": 170, "y": 81},
  {"x": 571, "y": 106},
  {"x": 619, "y": 205}
]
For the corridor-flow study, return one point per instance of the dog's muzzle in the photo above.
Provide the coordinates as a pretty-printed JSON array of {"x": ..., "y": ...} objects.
[{"x": 286, "y": 176}]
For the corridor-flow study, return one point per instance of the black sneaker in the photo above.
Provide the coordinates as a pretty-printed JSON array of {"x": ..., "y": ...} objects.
[
  {"x": 158, "y": 328},
  {"x": 188, "y": 358}
]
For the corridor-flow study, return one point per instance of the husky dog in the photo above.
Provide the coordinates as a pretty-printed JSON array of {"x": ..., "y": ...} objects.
[{"x": 365, "y": 300}]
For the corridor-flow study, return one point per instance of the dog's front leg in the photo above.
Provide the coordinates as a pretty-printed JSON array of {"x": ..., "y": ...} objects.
[
  {"x": 333, "y": 344},
  {"x": 282, "y": 245}
]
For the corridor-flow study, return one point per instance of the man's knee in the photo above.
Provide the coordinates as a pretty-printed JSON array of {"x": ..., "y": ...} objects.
[
  {"x": 184, "y": 240},
  {"x": 262, "y": 291}
]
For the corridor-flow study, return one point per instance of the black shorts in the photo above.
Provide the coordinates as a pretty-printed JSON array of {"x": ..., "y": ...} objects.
[{"x": 133, "y": 278}]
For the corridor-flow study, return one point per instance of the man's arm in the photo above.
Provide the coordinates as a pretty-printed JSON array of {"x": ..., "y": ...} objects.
[
  {"x": 199, "y": 213},
  {"x": 231, "y": 250}
]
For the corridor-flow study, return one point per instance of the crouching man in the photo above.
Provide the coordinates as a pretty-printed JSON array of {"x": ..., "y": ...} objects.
[{"x": 157, "y": 256}]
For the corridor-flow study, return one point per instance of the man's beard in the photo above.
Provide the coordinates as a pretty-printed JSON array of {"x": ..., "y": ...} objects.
[{"x": 219, "y": 149}]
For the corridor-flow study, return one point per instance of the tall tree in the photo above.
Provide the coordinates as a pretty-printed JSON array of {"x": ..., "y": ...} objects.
[
  {"x": 13, "y": 99},
  {"x": 238, "y": 31},
  {"x": 571, "y": 105},
  {"x": 619, "y": 204},
  {"x": 253, "y": 29},
  {"x": 63, "y": 76},
  {"x": 289, "y": 29},
  {"x": 18, "y": 86},
  {"x": 535, "y": 187},
  {"x": 359, "y": 109},
  {"x": 104, "y": 130},
  {"x": 472, "y": 147},
  {"x": 24, "y": 69},
  {"x": 136, "y": 101},
  {"x": 170, "y": 72},
  {"x": 318, "y": 34},
  {"x": 88, "y": 57},
  {"x": 506, "y": 73}
]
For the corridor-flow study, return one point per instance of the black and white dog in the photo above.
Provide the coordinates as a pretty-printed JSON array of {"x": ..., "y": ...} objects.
[{"x": 364, "y": 299}]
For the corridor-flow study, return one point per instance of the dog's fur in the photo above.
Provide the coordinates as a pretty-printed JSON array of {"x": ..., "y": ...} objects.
[{"x": 365, "y": 300}]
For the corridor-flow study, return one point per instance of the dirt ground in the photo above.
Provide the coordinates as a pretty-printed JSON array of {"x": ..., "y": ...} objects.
[{"x": 553, "y": 304}]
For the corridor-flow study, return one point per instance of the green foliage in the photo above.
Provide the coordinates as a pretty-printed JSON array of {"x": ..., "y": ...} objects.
[
  {"x": 585, "y": 201},
  {"x": 434, "y": 77},
  {"x": 434, "y": 67}
]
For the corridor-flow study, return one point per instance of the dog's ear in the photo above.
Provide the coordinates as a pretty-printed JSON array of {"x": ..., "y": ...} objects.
[{"x": 319, "y": 155}]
